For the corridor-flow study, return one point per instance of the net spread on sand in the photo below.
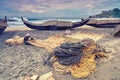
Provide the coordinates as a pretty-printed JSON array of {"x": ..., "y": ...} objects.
[
  {"x": 86, "y": 63},
  {"x": 86, "y": 66},
  {"x": 49, "y": 44},
  {"x": 15, "y": 40},
  {"x": 81, "y": 36},
  {"x": 55, "y": 41},
  {"x": 83, "y": 62}
]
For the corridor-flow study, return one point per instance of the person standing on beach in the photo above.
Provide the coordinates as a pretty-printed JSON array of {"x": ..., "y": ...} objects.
[{"x": 67, "y": 31}]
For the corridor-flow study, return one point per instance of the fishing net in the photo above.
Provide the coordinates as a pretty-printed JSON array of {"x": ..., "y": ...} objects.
[
  {"x": 61, "y": 69},
  {"x": 79, "y": 36},
  {"x": 73, "y": 54},
  {"x": 15, "y": 40},
  {"x": 55, "y": 41},
  {"x": 92, "y": 47},
  {"x": 77, "y": 58},
  {"x": 49, "y": 44},
  {"x": 68, "y": 53},
  {"x": 86, "y": 66}
]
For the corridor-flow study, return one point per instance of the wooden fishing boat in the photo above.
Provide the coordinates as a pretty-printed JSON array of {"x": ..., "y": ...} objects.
[
  {"x": 54, "y": 24},
  {"x": 104, "y": 23},
  {"x": 116, "y": 31},
  {"x": 3, "y": 25}
]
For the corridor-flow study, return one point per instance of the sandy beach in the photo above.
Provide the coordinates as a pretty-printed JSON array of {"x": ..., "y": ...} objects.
[{"x": 24, "y": 60}]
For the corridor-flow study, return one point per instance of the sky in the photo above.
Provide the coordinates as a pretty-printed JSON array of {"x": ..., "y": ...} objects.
[{"x": 55, "y": 8}]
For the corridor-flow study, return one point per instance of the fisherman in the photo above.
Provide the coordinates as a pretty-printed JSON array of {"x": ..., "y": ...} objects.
[{"x": 67, "y": 31}]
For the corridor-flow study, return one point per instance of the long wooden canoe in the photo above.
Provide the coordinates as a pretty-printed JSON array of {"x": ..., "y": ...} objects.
[
  {"x": 104, "y": 23},
  {"x": 54, "y": 24}
]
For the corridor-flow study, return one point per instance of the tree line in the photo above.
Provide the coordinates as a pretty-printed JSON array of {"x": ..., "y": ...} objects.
[{"x": 114, "y": 13}]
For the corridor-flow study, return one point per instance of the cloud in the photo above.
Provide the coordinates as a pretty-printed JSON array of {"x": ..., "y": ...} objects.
[
  {"x": 36, "y": 11},
  {"x": 55, "y": 7},
  {"x": 47, "y": 5},
  {"x": 31, "y": 8},
  {"x": 89, "y": 6}
]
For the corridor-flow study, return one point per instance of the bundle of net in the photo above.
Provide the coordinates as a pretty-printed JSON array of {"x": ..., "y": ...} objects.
[
  {"x": 77, "y": 58},
  {"x": 66, "y": 55}
]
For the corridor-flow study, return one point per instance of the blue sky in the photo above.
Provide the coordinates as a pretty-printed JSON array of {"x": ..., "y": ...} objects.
[{"x": 55, "y": 8}]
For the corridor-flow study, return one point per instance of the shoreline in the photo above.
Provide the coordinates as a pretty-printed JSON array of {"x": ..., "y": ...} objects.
[
  {"x": 21, "y": 28},
  {"x": 26, "y": 28}
]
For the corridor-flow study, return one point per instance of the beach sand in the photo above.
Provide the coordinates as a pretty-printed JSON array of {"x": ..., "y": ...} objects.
[{"x": 25, "y": 60}]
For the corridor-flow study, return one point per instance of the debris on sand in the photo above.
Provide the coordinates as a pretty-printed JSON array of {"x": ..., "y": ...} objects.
[{"x": 47, "y": 76}]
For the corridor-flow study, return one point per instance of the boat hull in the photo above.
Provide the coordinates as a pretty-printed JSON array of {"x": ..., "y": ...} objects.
[
  {"x": 45, "y": 27},
  {"x": 103, "y": 23},
  {"x": 2, "y": 30},
  {"x": 54, "y": 25},
  {"x": 3, "y": 25}
]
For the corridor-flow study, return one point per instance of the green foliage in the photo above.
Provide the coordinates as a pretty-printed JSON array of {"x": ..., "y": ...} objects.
[{"x": 115, "y": 13}]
